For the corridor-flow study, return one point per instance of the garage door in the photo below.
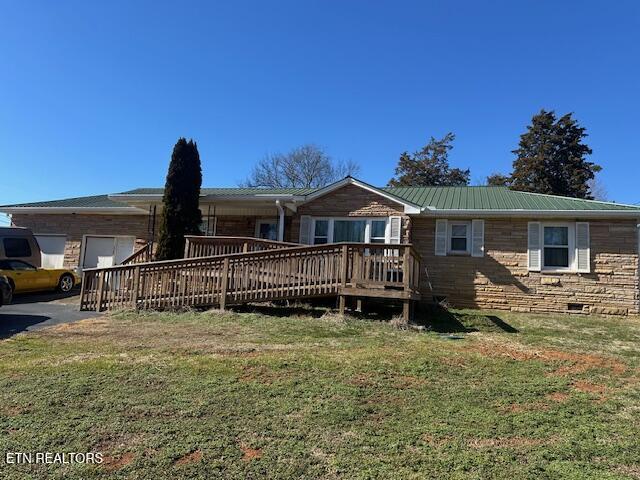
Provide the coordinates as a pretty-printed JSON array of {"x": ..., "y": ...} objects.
[
  {"x": 52, "y": 250},
  {"x": 106, "y": 251}
]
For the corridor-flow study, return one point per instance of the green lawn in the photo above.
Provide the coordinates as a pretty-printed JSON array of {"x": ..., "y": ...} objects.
[{"x": 252, "y": 395}]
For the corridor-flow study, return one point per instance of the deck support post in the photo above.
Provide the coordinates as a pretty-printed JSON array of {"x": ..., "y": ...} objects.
[
  {"x": 406, "y": 310},
  {"x": 359, "y": 304},
  {"x": 225, "y": 284},
  {"x": 342, "y": 304}
]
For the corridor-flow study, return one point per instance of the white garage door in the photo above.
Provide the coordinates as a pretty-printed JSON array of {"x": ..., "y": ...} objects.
[
  {"x": 106, "y": 251},
  {"x": 52, "y": 250}
]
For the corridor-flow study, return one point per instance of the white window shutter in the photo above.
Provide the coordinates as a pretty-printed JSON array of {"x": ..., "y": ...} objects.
[
  {"x": 583, "y": 249},
  {"x": 305, "y": 230},
  {"x": 395, "y": 229},
  {"x": 441, "y": 238},
  {"x": 535, "y": 247},
  {"x": 477, "y": 238}
]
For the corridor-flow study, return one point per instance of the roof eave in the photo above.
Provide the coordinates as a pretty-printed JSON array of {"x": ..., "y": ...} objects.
[{"x": 74, "y": 210}]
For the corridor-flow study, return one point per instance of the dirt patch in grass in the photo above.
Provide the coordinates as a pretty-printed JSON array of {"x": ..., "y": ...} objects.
[
  {"x": 592, "y": 388},
  {"x": 437, "y": 442},
  {"x": 558, "y": 397},
  {"x": 192, "y": 457},
  {"x": 260, "y": 374},
  {"x": 632, "y": 471},
  {"x": 13, "y": 410},
  {"x": 249, "y": 453},
  {"x": 408, "y": 381},
  {"x": 116, "y": 463},
  {"x": 575, "y": 363}
]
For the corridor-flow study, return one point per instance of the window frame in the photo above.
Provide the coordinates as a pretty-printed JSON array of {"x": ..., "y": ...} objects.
[
  {"x": 23, "y": 239},
  {"x": 30, "y": 268},
  {"x": 367, "y": 229},
  {"x": 325, "y": 237},
  {"x": 266, "y": 221},
  {"x": 450, "y": 225},
  {"x": 571, "y": 247}
]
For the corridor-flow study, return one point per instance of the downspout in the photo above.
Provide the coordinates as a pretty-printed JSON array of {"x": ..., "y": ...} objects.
[{"x": 280, "y": 221}]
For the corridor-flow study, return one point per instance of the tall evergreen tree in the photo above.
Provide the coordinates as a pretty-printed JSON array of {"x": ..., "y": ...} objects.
[
  {"x": 551, "y": 158},
  {"x": 429, "y": 166},
  {"x": 180, "y": 214}
]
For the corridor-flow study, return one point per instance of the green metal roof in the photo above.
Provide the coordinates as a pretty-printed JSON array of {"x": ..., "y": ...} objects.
[
  {"x": 228, "y": 191},
  {"x": 440, "y": 198},
  {"x": 95, "y": 201},
  {"x": 496, "y": 198}
]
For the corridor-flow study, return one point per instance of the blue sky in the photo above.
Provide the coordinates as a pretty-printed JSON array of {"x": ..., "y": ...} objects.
[{"x": 93, "y": 95}]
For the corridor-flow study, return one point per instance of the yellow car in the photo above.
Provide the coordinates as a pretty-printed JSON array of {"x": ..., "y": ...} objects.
[{"x": 24, "y": 277}]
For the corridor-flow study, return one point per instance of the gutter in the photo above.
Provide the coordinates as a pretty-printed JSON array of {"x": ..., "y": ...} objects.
[
  {"x": 280, "y": 221},
  {"x": 433, "y": 212},
  {"x": 74, "y": 210}
]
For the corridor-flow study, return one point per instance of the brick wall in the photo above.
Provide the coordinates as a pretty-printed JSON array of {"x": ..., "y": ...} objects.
[
  {"x": 74, "y": 226},
  {"x": 244, "y": 226},
  {"x": 500, "y": 279},
  {"x": 349, "y": 201}
]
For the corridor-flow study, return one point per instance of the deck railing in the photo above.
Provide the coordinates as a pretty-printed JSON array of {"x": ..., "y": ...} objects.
[
  {"x": 197, "y": 246},
  {"x": 286, "y": 273},
  {"x": 143, "y": 255}
]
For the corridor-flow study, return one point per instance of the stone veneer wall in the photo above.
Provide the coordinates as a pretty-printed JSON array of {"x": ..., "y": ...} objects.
[
  {"x": 500, "y": 279},
  {"x": 350, "y": 201}
]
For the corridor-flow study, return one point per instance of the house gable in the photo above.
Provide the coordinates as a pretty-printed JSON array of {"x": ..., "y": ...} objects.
[{"x": 406, "y": 207}]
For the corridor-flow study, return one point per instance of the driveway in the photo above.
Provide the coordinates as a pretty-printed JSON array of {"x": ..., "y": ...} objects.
[{"x": 30, "y": 312}]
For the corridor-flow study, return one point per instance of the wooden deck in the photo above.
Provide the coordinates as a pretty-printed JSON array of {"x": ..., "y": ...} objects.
[{"x": 261, "y": 271}]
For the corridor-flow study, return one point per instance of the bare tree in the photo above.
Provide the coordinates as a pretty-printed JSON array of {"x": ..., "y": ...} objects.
[
  {"x": 597, "y": 189},
  {"x": 307, "y": 166}
]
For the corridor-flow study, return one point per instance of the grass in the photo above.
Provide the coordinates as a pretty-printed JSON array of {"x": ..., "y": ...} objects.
[{"x": 251, "y": 395}]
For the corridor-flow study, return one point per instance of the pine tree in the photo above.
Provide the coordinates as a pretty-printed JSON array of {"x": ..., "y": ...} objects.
[
  {"x": 180, "y": 214},
  {"x": 429, "y": 166},
  {"x": 551, "y": 158}
]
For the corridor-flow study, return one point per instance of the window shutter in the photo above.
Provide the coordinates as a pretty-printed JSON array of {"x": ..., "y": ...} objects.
[
  {"x": 305, "y": 230},
  {"x": 534, "y": 251},
  {"x": 583, "y": 250},
  {"x": 477, "y": 238},
  {"x": 441, "y": 238},
  {"x": 395, "y": 229}
]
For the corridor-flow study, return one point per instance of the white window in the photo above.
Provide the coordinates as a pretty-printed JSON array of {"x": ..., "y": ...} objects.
[
  {"x": 459, "y": 237},
  {"x": 559, "y": 247},
  {"x": 556, "y": 246},
  {"x": 378, "y": 231},
  {"x": 321, "y": 232},
  {"x": 356, "y": 229}
]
